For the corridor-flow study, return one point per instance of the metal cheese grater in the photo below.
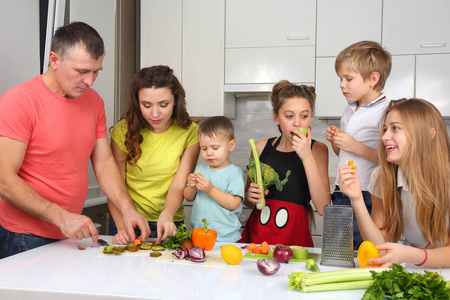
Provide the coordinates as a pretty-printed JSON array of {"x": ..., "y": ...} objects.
[{"x": 337, "y": 239}]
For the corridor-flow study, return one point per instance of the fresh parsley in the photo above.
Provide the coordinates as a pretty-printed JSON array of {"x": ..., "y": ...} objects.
[
  {"x": 400, "y": 284},
  {"x": 174, "y": 241}
]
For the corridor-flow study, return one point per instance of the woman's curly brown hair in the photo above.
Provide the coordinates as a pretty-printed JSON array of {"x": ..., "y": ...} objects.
[{"x": 152, "y": 77}]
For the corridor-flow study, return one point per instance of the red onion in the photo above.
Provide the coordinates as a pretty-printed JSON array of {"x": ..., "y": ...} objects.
[
  {"x": 196, "y": 254},
  {"x": 180, "y": 254},
  {"x": 282, "y": 253},
  {"x": 267, "y": 266}
]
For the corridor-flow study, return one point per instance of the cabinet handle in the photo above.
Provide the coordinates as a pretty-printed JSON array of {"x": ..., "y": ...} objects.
[
  {"x": 300, "y": 37},
  {"x": 432, "y": 45}
]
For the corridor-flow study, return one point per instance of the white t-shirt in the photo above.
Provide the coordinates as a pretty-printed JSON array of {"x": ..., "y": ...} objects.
[
  {"x": 364, "y": 126},
  {"x": 412, "y": 234}
]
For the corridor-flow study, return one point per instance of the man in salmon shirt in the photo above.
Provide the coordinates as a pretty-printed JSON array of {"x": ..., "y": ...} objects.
[{"x": 50, "y": 126}]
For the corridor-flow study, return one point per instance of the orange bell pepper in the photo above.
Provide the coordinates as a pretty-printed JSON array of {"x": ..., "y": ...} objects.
[
  {"x": 366, "y": 251},
  {"x": 203, "y": 237}
]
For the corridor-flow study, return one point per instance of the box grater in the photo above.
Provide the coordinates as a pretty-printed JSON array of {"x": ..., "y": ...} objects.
[{"x": 337, "y": 239}]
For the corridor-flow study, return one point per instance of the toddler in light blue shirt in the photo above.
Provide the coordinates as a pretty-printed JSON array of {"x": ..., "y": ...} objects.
[{"x": 217, "y": 186}]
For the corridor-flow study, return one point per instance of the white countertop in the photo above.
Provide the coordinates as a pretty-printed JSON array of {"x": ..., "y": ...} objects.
[{"x": 61, "y": 271}]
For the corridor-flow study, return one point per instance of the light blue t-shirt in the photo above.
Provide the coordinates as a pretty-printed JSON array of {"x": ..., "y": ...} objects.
[{"x": 226, "y": 222}]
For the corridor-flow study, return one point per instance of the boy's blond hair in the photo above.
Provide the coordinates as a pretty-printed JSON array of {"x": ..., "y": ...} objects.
[
  {"x": 215, "y": 126},
  {"x": 366, "y": 57}
]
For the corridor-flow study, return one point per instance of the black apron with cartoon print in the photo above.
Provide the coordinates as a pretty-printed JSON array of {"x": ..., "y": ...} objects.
[{"x": 284, "y": 219}]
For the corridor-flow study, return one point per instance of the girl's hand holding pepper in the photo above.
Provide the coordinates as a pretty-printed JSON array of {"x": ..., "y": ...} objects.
[
  {"x": 349, "y": 182},
  {"x": 396, "y": 254}
]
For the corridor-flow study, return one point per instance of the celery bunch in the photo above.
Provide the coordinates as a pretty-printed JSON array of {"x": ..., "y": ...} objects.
[{"x": 348, "y": 279}]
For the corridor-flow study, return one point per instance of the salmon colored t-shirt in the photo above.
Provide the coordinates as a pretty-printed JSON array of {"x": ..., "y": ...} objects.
[{"x": 60, "y": 134}]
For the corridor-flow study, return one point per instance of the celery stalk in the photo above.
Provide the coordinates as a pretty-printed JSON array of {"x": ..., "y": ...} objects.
[
  {"x": 337, "y": 286},
  {"x": 259, "y": 180},
  {"x": 331, "y": 280}
]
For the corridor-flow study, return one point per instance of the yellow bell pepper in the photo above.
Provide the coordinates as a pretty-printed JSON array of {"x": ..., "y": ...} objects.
[
  {"x": 350, "y": 163},
  {"x": 366, "y": 251}
]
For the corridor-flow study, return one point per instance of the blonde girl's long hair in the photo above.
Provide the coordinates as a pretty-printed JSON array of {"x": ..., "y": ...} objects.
[{"x": 425, "y": 166}]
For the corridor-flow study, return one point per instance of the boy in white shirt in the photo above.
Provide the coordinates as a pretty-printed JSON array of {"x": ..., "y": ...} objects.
[{"x": 363, "y": 68}]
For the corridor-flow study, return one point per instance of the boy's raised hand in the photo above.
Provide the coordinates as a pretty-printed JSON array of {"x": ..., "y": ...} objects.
[
  {"x": 329, "y": 135},
  {"x": 345, "y": 141}
]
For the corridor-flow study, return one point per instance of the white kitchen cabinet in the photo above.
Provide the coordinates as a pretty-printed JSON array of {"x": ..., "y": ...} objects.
[
  {"x": 416, "y": 26},
  {"x": 432, "y": 80},
  {"x": 330, "y": 102},
  {"x": 269, "y": 65},
  {"x": 203, "y": 59},
  {"x": 267, "y": 41},
  {"x": 189, "y": 37},
  {"x": 400, "y": 83},
  {"x": 161, "y": 34},
  {"x": 341, "y": 23},
  {"x": 268, "y": 23}
]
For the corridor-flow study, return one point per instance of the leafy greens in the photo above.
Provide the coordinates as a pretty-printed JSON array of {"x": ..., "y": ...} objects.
[
  {"x": 400, "y": 284},
  {"x": 174, "y": 241}
]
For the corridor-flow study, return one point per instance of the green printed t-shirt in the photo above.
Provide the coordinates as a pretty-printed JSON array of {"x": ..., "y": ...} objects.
[{"x": 161, "y": 155}]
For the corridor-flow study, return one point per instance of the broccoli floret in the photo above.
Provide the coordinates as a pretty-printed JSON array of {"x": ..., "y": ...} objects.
[{"x": 269, "y": 176}]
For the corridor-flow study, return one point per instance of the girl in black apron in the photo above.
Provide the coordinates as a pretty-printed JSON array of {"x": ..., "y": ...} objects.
[{"x": 284, "y": 219}]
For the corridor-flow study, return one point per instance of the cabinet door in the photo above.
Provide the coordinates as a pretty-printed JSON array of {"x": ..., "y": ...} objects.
[
  {"x": 330, "y": 102},
  {"x": 264, "y": 23},
  {"x": 432, "y": 80},
  {"x": 203, "y": 58},
  {"x": 400, "y": 83},
  {"x": 338, "y": 26},
  {"x": 269, "y": 65},
  {"x": 416, "y": 26},
  {"x": 161, "y": 34}
]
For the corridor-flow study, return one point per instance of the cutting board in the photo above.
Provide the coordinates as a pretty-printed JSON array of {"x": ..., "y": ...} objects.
[
  {"x": 251, "y": 255},
  {"x": 212, "y": 259}
]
